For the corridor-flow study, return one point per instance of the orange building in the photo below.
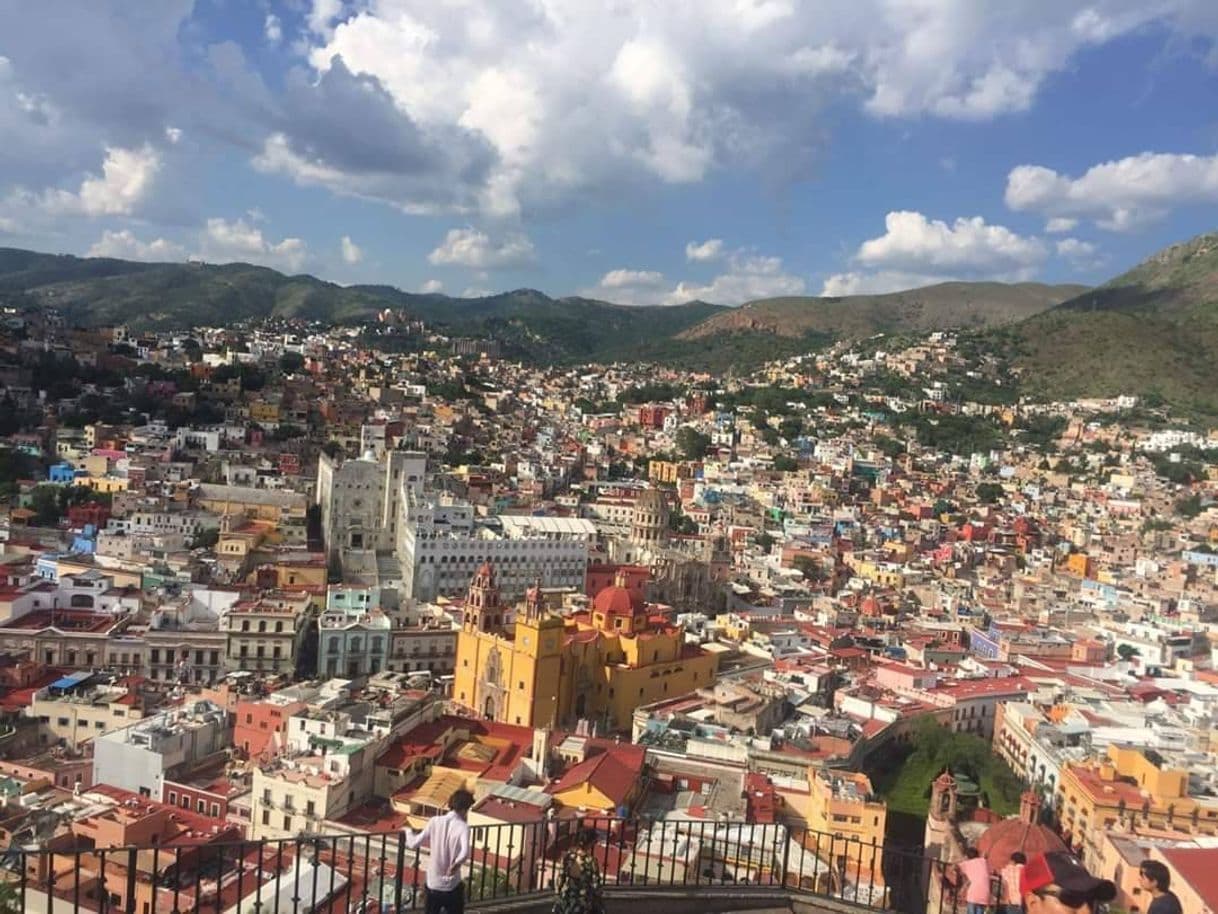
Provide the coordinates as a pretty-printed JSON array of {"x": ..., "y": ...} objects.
[{"x": 261, "y": 731}]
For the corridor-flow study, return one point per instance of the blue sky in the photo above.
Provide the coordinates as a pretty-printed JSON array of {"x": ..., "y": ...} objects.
[{"x": 639, "y": 152}]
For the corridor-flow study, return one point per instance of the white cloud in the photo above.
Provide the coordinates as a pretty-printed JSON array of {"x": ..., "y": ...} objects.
[
  {"x": 711, "y": 249},
  {"x": 273, "y": 29},
  {"x": 576, "y": 96},
  {"x": 617, "y": 279},
  {"x": 173, "y": 135},
  {"x": 855, "y": 283},
  {"x": 350, "y": 250},
  {"x": 914, "y": 248},
  {"x": 476, "y": 292},
  {"x": 125, "y": 182},
  {"x": 1082, "y": 254},
  {"x": 239, "y": 241},
  {"x": 748, "y": 278},
  {"x": 125, "y": 246},
  {"x": 469, "y": 247},
  {"x": 322, "y": 14},
  {"x": 431, "y": 287},
  {"x": 1060, "y": 224},
  {"x": 1117, "y": 195}
]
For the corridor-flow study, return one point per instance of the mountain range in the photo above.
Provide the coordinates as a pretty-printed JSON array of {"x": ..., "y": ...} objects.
[{"x": 1152, "y": 330}]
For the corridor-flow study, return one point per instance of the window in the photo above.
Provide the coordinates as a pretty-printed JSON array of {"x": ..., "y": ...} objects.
[
  {"x": 287, "y": 823},
  {"x": 266, "y": 817},
  {"x": 202, "y": 807},
  {"x": 173, "y": 798},
  {"x": 266, "y": 795},
  {"x": 279, "y": 625},
  {"x": 63, "y": 721},
  {"x": 310, "y": 808}
]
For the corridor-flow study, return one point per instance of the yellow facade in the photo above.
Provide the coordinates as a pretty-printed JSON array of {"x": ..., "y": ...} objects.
[
  {"x": 838, "y": 803},
  {"x": 544, "y": 670},
  {"x": 1129, "y": 787},
  {"x": 663, "y": 471},
  {"x": 264, "y": 411}
]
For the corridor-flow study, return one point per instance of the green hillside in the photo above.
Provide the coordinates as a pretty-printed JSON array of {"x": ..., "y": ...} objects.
[
  {"x": 937, "y": 307},
  {"x": 1152, "y": 331}
]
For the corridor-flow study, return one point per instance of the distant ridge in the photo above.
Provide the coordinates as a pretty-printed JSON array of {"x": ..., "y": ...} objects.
[
  {"x": 1152, "y": 331},
  {"x": 938, "y": 307}
]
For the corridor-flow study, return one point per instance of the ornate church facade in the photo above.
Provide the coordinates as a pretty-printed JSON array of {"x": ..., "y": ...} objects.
[{"x": 531, "y": 666}]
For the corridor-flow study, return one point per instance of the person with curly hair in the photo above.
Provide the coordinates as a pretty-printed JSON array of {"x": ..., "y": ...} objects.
[{"x": 579, "y": 878}]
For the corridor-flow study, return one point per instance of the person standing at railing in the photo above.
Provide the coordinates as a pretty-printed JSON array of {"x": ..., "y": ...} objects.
[
  {"x": 1155, "y": 879},
  {"x": 579, "y": 878},
  {"x": 1010, "y": 900},
  {"x": 976, "y": 871},
  {"x": 447, "y": 837}
]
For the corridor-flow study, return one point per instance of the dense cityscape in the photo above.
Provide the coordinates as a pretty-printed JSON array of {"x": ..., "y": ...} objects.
[
  {"x": 287, "y": 579},
  {"x": 568, "y": 457}
]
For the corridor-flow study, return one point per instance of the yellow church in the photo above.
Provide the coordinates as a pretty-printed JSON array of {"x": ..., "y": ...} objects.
[{"x": 546, "y": 670}]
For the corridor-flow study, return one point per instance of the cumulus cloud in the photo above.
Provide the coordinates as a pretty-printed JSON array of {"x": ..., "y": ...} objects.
[
  {"x": 503, "y": 109},
  {"x": 747, "y": 277},
  {"x": 917, "y": 250},
  {"x": 1082, "y": 254},
  {"x": 1060, "y": 224},
  {"x": 469, "y": 247},
  {"x": 432, "y": 287},
  {"x": 874, "y": 283},
  {"x": 350, "y": 251},
  {"x": 578, "y": 96},
  {"x": 1116, "y": 195},
  {"x": 273, "y": 29},
  {"x": 617, "y": 279},
  {"x": 237, "y": 240},
  {"x": 126, "y": 246},
  {"x": 711, "y": 249},
  {"x": 125, "y": 182}
]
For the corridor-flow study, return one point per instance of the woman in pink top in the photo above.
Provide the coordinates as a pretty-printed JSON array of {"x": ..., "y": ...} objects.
[
  {"x": 976, "y": 872},
  {"x": 1012, "y": 900}
]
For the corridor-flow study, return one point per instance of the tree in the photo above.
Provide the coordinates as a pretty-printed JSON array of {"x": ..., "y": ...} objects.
[
  {"x": 205, "y": 538},
  {"x": 291, "y": 362},
  {"x": 811, "y": 569},
  {"x": 1189, "y": 507},
  {"x": 1127, "y": 652},
  {"x": 989, "y": 492},
  {"x": 785, "y": 464},
  {"x": 692, "y": 443},
  {"x": 764, "y": 540},
  {"x": 45, "y": 503}
]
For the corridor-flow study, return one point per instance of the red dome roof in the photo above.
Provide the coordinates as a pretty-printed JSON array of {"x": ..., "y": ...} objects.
[
  {"x": 616, "y": 601},
  {"x": 999, "y": 841}
]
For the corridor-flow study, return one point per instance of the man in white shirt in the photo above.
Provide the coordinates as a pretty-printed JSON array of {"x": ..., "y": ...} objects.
[{"x": 447, "y": 837}]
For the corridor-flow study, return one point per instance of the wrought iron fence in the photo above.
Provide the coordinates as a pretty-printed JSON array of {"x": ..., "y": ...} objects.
[{"x": 378, "y": 874}]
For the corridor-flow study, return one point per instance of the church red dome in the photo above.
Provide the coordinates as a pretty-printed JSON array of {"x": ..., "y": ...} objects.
[
  {"x": 616, "y": 601},
  {"x": 1018, "y": 833}
]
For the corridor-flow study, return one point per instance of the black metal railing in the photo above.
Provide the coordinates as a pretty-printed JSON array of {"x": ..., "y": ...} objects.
[{"x": 378, "y": 874}]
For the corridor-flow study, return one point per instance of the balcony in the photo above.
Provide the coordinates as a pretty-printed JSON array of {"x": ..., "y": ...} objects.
[{"x": 685, "y": 867}]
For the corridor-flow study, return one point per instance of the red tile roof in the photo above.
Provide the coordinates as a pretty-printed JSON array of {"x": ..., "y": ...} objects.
[
  {"x": 609, "y": 773},
  {"x": 1198, "y": 866}
]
